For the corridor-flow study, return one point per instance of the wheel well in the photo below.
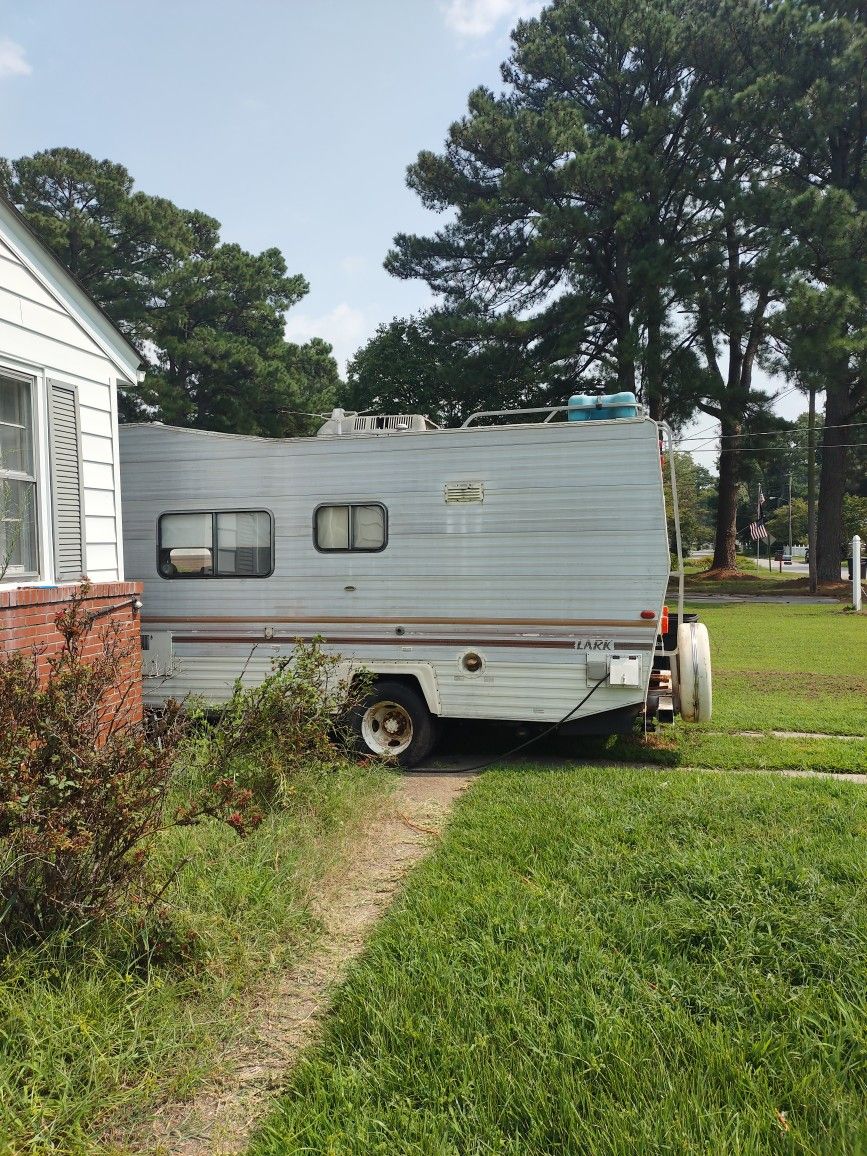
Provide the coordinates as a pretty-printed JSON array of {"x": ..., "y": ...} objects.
[
  {"x": 408, "y": 680},
  {"x": 416, "y": 677}
]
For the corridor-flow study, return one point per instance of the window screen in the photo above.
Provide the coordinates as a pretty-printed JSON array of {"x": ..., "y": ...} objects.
[
  {"x": 350, "y": 527},
  {"x": 216, "y": 544}
]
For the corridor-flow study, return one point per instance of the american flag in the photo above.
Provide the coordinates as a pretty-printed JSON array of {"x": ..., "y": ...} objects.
[{"x": 757, "y": 528}]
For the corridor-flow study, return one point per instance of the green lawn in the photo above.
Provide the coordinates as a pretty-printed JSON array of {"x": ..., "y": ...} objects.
[
  {"x": 747, "y": 566},
  {"x": 788, "y": 667},
  {"x": 776, "y": 667},
  {"x": 681, "y": 747},
  {"x": 754, "y": 579},
  {"x": 608, "y": 961}
]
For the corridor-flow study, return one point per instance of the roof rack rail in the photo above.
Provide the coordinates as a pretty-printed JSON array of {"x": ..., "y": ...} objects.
[{"x": 551, "y": 411}]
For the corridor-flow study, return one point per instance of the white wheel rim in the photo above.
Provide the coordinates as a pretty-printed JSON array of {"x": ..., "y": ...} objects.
[{"x": 386, "y": 728}]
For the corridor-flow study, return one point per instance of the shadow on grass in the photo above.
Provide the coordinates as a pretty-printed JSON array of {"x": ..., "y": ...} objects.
[{"x": 476, "y": 747}]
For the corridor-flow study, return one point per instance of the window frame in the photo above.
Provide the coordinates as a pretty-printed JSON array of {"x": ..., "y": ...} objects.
[
  {"x": 350, "y": 549},
  {"x": 29, "y": 479},
  {"x": 215, "y": 545}
]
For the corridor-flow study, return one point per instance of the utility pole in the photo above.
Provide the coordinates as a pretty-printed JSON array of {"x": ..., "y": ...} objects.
[
  {"x": 811, "y": 488},
  {"x": 790, "y": 516}
]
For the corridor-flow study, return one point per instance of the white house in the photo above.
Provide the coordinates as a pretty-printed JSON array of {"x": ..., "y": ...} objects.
[{"x": 61, "y": 360}]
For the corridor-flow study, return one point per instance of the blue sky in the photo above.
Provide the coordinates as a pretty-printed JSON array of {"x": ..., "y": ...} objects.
[{"x": 291, "y": 121}]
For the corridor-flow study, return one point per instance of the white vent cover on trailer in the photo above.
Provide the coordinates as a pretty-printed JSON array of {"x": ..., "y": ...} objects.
[{"x": 464, "y": 492}]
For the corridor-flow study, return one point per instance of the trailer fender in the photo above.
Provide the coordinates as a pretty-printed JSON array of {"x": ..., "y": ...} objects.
[
  {"x": 421, "y": 672},
  {"x": 693, "y": 686}
]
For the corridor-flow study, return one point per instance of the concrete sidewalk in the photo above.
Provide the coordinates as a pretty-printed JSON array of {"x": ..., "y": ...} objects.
[{"x": 800, "y": 599}]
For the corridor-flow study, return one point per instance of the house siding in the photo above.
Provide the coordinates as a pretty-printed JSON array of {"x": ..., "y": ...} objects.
[{"x": 42, "y": 338}]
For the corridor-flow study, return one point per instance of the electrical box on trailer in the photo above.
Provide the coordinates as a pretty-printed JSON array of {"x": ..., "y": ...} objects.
[
  {"x": 624, "y": 670},
  {"x": 157, "y": 655}
]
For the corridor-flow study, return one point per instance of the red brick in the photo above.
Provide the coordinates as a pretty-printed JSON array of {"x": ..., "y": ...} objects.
[{"x": 27, "y": 623}]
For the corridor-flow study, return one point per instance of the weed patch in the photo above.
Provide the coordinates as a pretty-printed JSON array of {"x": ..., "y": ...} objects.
[
  {"x": 84, "y": 789},
  {"x": 131, "y": 930}
]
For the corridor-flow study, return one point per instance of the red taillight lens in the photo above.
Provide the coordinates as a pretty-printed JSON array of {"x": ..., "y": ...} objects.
[
  {"x": 663, "y": 622},
  {"x": 648, "y": 614}
]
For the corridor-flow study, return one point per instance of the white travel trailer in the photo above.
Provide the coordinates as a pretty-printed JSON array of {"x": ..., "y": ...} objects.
[{"x": 507, "y": 571}]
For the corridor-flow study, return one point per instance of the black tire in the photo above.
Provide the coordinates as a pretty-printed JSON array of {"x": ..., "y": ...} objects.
[{"x": 398, "y": 705}]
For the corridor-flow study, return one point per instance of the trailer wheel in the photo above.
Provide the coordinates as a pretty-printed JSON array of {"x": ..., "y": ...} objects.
[
  {"x": 394, "y": 722},
  {"x": 693, "y": 687}
]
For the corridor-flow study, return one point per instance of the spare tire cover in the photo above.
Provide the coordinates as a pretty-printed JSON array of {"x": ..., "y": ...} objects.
[{"x": 694, "y": 689}]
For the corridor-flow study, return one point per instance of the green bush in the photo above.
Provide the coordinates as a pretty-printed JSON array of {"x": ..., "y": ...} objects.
[
  {"x": 293, "y": 721},
  {"x": 83, "y": 790}
]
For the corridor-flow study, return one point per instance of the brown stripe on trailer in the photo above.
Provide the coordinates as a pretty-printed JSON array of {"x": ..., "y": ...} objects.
[
  {"x": 350, "y": 620},
  {"x": 402, "y": 640}
]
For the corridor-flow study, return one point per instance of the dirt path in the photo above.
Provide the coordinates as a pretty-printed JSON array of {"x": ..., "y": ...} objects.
[{"x": 218, "y": 1122}]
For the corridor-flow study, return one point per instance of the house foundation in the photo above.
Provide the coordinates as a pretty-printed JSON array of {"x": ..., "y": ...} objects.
[{"x": 28, "y": 617}]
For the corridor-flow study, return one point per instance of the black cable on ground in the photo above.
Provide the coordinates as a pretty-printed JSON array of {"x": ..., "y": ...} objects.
[{"x": 542, "y": 734}]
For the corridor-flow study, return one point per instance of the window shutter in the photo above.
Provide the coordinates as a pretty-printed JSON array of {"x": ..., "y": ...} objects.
[{"x": 68, "y": 500}]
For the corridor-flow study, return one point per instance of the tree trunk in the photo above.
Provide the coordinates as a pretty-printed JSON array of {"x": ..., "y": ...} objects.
[
  {"x": 620, "y": 300},
  {"x": 653, "y": 392},
  {"x": 725, "y": 542},
  {"x": 832, "y": 482}
]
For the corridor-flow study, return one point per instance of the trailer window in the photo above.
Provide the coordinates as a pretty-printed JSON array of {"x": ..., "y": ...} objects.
[
  {"x": 215, "y": 544},
  {"x": 359, "y": 527}
]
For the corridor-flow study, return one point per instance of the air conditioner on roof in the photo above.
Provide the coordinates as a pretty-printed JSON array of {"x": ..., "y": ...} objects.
[{"x": 342, "y": 424}]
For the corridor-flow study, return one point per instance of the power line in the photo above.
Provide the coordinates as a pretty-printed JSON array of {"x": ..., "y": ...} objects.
[
  {"x": 777, "y": 449},
  {"x": 799, "y": 431}
]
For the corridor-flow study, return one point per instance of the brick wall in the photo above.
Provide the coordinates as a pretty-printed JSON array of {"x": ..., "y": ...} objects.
[{"x": 27, "y": 623}]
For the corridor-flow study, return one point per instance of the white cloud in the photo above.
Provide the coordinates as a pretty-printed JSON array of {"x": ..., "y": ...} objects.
[
  {"x": 344, "y": 328},
  {"x": 12, "y": 59},
  {"x": 476, "y": 18}
]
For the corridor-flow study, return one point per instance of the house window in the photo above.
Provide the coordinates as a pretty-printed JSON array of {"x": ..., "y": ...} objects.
[
  {"x": 18, "y": 552},
  {"x": 215, "y": 544},
  {"x": 351, "y": 526}
]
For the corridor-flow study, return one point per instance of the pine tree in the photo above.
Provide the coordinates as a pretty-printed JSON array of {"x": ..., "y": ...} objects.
[{"x": 209, "y": 315}]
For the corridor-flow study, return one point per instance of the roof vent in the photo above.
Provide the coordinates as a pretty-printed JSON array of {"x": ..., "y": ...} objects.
[{"x": 341, "y": 424}]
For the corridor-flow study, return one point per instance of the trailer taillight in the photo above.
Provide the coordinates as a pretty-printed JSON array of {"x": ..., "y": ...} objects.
[{"x": 663, "y": 622}]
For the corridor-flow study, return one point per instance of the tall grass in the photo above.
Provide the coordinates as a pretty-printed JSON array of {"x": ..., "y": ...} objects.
[{"x": 95, "y": 1030}]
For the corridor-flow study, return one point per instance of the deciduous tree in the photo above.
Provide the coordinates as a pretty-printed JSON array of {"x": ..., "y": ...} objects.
[{"x": 444, "y": 366}]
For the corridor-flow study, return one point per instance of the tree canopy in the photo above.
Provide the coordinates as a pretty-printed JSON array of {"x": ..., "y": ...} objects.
[
  {"x": 662, "y": 198},
  {"x": 208, "y": 316},
  {"x": 445, "y": 365}
]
